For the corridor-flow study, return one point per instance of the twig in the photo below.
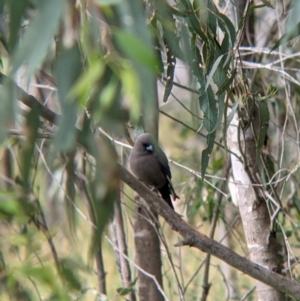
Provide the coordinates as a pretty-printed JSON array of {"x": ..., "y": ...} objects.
[
  {"x": 138, "y": 268},
  {"x": 206, "y": 285},
  {"x": 248, "y": 293}
]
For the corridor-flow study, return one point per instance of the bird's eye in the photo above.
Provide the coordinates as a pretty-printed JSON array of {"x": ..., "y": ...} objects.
[{"x": 149, "y": 147}]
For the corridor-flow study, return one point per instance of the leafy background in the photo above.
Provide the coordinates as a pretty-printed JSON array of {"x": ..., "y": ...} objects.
[{"x": 96, "y": 65}]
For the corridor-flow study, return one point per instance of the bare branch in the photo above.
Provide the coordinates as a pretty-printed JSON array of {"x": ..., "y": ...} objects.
[{"x": 195, "y": 239}]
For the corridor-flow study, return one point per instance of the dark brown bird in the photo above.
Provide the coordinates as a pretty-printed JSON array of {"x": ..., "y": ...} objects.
[{"x": 150, "y": 165}]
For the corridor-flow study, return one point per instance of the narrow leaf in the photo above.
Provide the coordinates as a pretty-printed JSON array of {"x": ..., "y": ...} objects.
[
  {"x": 171, "y": 62},
  {"x": 231, "y": 115},
  {"x": 205, "y": 156},
  {"x": 212, "y": 71},
  {"x": 35, "y": 43},
  {"x": 68, "y": 70},
  {"x": 264, "y": 117},
  {"x": 135, "y": 49},
  {"x": 16, "y": 14},
  {"x": 288, "y": 36}
]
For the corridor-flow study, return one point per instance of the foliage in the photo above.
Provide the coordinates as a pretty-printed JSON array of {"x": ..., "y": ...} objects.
[{"x": 96, "y": 64}]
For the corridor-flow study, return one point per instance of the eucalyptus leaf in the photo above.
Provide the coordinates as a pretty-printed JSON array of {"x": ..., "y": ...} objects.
[
  {"x": 264, "y": 117},
  {"x": 171, "y": 62},
  {"x": 37, "y": 38},
  {"x": 16, "y": 14},
  {"x": 68, "y": 70},
  {"x": 134, "y": 48}
]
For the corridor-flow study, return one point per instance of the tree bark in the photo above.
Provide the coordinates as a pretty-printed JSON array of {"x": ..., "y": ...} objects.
[
  {"x": 255, "y": 217},
  {"x": 147, "y": 254}
]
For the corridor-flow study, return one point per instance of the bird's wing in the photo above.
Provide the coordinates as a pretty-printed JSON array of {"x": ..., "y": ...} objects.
[
  {"x": 163, "y": 162},
  {"x": 164, "y": 165}
]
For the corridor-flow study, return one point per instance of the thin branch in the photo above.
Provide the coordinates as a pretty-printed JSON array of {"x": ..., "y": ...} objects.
[
  {"x": 248, "y": 293},
  {"x": 206, "y": 285},
  {"x": 138, "y": 268},
  {"x": 30, "y": 100},
  {"x": 197, "y": 132},
  {"x": 101, "y": 275}
]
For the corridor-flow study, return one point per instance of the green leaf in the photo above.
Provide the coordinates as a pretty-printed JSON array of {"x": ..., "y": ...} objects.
[
  {"x": 231, "y": 115},
  {"x": 192, "y": 20},
  {"x": 31, "y": 131},
  {"x": 9, "y": 206},
  {"x": 213, "y": 70},
  {"x": 43, "y": 274},
  {"x": 16, "y": 13},
  {"x": 38, "y": 36},
  {"x": 70, "y": 191},
  {"x": 135, "y": 49},
  {"x": 69, "y": 272},
  {"x": 228, "y": 28},
  {"x": 7, "y": 109},
  {"x": 132, "y": 90},
  {"x": 209, "y": 108},
  {"x": 227, "y": 82},
  {"x": 267, "y": 3},
  {"x": 123, "y": 291},
  {"x": 104, "y": 190},
  {"x": 85, "y": 85},
  {"x": 205, "y": 156},
  {"x": 288, "y": 36},
  {"x": 171, "y": 62},
  {"x": 68, "y": 70},
  {"x": 264, "y": 117},
  {"x": 107, "y": 2}
]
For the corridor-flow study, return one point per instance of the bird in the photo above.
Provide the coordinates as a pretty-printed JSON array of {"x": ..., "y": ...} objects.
[{"x": 150, "y": 165}]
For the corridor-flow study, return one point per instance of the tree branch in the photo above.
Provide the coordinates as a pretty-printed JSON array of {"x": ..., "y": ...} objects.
[{"x": 195, "y": 239}]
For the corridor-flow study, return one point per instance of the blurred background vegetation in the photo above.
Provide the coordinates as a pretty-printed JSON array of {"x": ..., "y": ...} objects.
[{"x": 77, "y": 76}]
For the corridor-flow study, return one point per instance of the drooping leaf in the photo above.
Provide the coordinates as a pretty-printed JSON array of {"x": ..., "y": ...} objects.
[
  {"x": 163, "y": 13},
  {"x": 264, "y": 117},
  {"x": 227, "y": 82},
  {"x": 186, "y": 8},
  {"x": 231, "y": 115},
  {"x": 228, "y": 28},
  {"x": 7, "y": 109},
  {"x": 9, "y": 206},
  {"x": 69, "y": 272},
  {"x": 288, "y": 36},
  {"x": 213, "y": 70},
  {"x": 171, "y": 62},
  {"x": 38, "y": 36},
  {"x": 31, "y": 131},
  {"x": 70, "y": 190},
  {"x": 68, "y": 70},
  {"x": 45, "y": 275},
  {"x": 104, "y": 189},
  {"x": 205, "y": 156},
  {"x": 16, "y": 13},
  {"x": 135, "y": 49}
]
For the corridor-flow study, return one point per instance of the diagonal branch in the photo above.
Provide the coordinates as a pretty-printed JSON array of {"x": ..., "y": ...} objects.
[{"x": 195, "y": 239}]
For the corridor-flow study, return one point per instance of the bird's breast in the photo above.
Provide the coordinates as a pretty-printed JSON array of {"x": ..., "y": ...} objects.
[{"x": 147, "y": 169}]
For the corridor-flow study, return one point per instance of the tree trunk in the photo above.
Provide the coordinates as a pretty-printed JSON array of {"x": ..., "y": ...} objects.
[
  {"x": 118, "y": 234},
  {"x": 254, "y": 211},
  {"x": 147, "y": 254}
]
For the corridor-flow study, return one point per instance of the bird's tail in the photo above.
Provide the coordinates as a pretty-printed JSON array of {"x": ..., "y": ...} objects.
[
  {"x": 171, "y": 189},
  {"x": 165, "y": 194}
]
